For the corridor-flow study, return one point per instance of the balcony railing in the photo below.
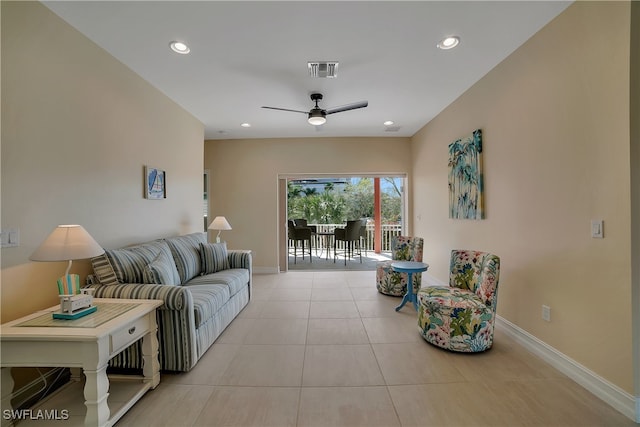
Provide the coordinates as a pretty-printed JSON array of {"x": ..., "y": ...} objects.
[{"x": 388, "y": 231}]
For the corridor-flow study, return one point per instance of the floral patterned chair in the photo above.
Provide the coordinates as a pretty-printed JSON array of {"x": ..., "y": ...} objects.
[
  {"x": 460, "y": 317},
  {"x": 389, "y": 282}
]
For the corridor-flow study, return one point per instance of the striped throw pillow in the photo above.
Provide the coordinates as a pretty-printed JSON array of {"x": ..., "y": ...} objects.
[
  {"x": 159, "y": 270},
  {"x": 213, "y": 257},
  {"x": 103, "y": 270},
  {"x": 129, "y": 263},
  {"x": 186, "y": 253}
]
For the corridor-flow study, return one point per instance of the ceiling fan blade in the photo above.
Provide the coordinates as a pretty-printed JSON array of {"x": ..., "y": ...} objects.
[
  {"x": 348, "y": 107},
  {"x": 287, "y": 109}
]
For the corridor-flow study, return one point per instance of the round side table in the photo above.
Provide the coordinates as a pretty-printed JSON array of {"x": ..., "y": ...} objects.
[{"x": 409, "y": 267}]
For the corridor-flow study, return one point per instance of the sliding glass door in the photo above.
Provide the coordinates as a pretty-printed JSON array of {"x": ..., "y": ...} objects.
[{"x": 328, "y": 202}]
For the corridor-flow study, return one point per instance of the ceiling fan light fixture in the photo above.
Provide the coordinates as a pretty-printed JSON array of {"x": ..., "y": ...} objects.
[
  {"x": 317, "y": 119},
  {"x": 318, "y": 116}
]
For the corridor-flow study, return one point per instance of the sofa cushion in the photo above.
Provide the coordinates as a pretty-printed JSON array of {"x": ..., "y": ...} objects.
[
  {"x": 161, "y": 270},
  {"x": 207, "y": 300},
  {"x": 234, "y": 278},
  {"x": 129, "y": 263},
  {"x": 213, "y": 257},
  {"x": 449, "y": 297},
  {"x": 103, "y": 270},
  {"x": 186, "y": 253}
]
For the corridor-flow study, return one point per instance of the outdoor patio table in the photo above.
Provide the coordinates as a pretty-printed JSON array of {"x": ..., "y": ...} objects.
[{"x": 326, "y": 236}]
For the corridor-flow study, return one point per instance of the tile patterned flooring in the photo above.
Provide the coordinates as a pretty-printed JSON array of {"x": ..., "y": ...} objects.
[{"x": 326, "y": 349}]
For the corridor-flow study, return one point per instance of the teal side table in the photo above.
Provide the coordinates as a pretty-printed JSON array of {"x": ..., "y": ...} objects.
[{"x": 409, "y": 267}]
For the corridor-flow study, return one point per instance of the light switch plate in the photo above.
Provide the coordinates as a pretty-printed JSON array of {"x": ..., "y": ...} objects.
[
  {"x": 10, "y": 237},
  {"x": 597, "y": 228}
]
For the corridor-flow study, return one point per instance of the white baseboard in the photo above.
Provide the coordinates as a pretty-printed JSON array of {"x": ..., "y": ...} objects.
[
  {"x": 265, "y": 270},
  {"x": 608, "y": 392},
  {"x": 429, "y": 280}
]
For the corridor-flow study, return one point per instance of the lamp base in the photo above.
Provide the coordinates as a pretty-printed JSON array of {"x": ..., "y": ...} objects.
[
  {"x": 76, "y": 314},
  {"x": 72, "y": 303}
]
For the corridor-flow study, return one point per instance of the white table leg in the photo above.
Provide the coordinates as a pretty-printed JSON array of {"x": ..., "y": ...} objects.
[
  {"x": 76, "y": 374},
  {"x": 7, "y": 393},
  {"x": 150, "y": 363},
  {"x": 96, "y": 390}
]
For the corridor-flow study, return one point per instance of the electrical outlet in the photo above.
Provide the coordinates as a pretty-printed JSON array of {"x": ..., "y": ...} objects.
[{"x": 546, "y": 313}]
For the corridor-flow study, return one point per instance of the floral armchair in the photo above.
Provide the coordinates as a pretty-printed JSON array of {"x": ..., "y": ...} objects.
[
  {"x": 403, "y": 248},
  {"x": 460, "y": 317}
]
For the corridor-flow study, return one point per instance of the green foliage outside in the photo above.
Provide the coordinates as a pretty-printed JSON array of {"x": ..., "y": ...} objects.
[{"x": 337, "y": 205}]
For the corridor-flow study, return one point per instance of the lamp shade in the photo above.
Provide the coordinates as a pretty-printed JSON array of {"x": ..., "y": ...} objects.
[
  {"x": 219, "y": 223},
  {"x": 65, "y": 243}
]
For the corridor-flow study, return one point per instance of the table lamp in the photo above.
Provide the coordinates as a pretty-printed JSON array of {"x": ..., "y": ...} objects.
[
  {"x": 219, "y": 223},
  {"x": 66, "y": 243}
]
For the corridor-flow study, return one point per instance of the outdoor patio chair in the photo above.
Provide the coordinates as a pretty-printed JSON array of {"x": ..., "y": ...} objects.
[
  {"x": 299, "y": 234},
  {"x": 363, "y": 235},
  {"x": 302, "y": 223},
  {"x": 350, "y": 236}
]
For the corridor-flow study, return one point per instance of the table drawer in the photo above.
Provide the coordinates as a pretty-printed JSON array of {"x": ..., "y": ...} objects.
[{"x": 129, "y": 334}]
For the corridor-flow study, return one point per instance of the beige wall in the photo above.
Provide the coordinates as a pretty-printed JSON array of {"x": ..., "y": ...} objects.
[
  {"x": 77, "y": 129},
  {"x": 244, "y": 180},
  {"x": 635, "y": 189},
  {"x": 555, "y": 121}
]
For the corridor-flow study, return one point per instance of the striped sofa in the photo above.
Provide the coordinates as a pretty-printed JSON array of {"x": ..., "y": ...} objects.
[{"x": 203, "y": 285}]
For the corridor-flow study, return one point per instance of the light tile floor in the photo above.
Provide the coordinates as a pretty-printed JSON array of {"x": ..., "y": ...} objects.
[{"x": 326, "y": 349}]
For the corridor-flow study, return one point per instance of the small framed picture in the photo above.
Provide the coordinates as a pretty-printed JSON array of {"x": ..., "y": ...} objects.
[{"x": 155, "y": 183}]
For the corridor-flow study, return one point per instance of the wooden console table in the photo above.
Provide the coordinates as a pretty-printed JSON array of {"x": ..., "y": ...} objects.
[{"x": 88, "y": 343}]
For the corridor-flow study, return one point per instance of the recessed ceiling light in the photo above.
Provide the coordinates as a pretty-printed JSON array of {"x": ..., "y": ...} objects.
[
  {"x": 245, "y": 125},
  {"x": 388, "y": 123},
  {"x": 449, "y": 42},
  {"x": 179, "y": 47}
]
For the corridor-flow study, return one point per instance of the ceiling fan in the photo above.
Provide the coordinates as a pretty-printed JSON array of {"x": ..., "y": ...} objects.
[{"x": 318, "y": 116}]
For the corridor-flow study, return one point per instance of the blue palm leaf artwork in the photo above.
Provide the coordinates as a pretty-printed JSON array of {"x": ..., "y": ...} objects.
[{"x": 465, "y": 177}]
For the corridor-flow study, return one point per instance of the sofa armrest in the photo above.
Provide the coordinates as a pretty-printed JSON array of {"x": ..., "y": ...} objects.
[
  {"x": 174, "y": 297},
  {"x": 176, "y": 325},
  {"x": 239, "y": 258}
]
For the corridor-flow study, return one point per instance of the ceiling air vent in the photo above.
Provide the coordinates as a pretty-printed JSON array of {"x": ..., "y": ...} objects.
[
  {"x": 323, "y": 70},
  {"x": 392, "y": 128}
]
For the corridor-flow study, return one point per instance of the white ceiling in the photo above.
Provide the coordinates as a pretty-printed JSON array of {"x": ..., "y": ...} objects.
[{"x": 245, "y": 55}]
